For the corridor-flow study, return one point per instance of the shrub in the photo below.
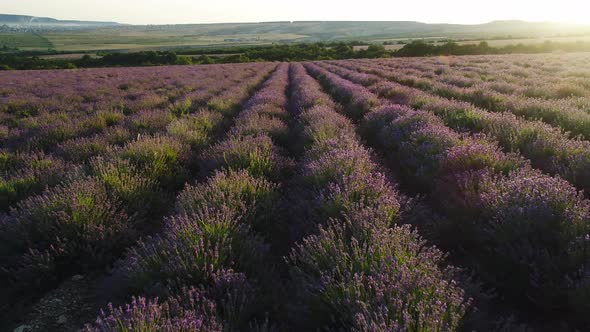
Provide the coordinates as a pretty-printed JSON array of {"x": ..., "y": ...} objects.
[
  {"x": 144, "y": 101},
  {"x": 374, "y": 122},
  {"x": 270, "y": 110},
  {"x": 138, "y": 193},
  {"x": 569, "y": 90},
  {"x": 322, "y": 123},
  {"x": 254, "y": 124},
  {"x": 191, "y": 251},
  {"x": 80, "y": 150},
  {"x": 26, "y": 174},
  {"x": 475, "y": 155},
  {"x": 110, "y": 118},
  {"x": 181, "y": 107},
  {"x": 90, "y": 124},
  {"x": 255, "y": 154},
  {"x": 68, "y": 229},
  {"x": 335, "y": 159},
  {"x": 117, "y": 135},
  {"x": 419, "y": 141},
  {"x": 4, "y": 133},
  {"x": 159, "y": 158},
  {"x": 251, "y": 199},
  {"x": 148, "y": 122},
  {"x": 224, "y": 106},
  {"x": 356, "y": 192},
  {"x": 188, "y": 312},
  {"x": 196, "y": 130},
  {"x": 385, "y": 278},
  {"x": 51, "y": 134},
  {"x": 534, "y": 238}
]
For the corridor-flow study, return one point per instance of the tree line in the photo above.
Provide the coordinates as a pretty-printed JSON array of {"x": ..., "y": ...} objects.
[{"x": 16, "y": 60}]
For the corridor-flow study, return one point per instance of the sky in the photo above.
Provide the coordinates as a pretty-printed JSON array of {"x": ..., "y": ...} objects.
[{"x": 217, "y": 11}]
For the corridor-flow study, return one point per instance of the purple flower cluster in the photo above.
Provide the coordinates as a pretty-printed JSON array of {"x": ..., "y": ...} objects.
[
  {"x": 252, "y": 199},
  {"x": 25, "y": 174},
  {"x": 419, "y": 140},
  {"x": 532, "y": 218},
  {"x": 159, "y": 158},
  {"x": 381, "y": 279},
  {"x": 358, "y": 99},
  {"x": 250, "y": 144},
  {"x": 197, "y": 129},
  {"x": 148, "y": 122},
  {"x": 70, "y": 229},
  {"x": 80, "y": 150},
  {"x": 189, "y": 312},
  {"x": 306, "y": 92}
]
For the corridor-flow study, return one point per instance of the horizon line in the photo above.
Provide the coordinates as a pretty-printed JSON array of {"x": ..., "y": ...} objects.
[{"x": 303, "y": 21}]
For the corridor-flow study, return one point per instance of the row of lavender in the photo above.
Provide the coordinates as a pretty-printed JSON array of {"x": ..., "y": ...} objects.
[
  {"x": 548, "y": 148},
  {"x": 78, "y": 214},
  {"x": 213, "y": 265},
  {"x": 354, "y": 267},
  {"x": 562, "y": 113},
  {"x": 523, "y": 232}
]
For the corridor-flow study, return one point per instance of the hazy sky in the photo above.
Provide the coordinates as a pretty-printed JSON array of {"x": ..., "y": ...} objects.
[{"x": 212, "y": 11}]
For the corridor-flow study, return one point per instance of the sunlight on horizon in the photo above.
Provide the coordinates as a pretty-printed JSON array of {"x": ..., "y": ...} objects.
[{"x": 188, "y": 11}]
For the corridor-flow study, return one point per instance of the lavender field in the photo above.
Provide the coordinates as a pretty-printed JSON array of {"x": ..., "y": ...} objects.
[{"x": 406, "y": 194}]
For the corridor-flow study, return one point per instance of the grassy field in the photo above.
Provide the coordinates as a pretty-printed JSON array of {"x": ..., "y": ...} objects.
[
  {"x": 25, "y": 41},
  {"x": 138, "y": 39}
]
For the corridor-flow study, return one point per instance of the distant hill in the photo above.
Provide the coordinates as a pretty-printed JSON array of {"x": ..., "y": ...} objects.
[
  {"x": 347, "y": 30},
  {"x": 23, "y": 20},
  {"x": 326, "y": 30},
  {"x": 42, "y": 33}
]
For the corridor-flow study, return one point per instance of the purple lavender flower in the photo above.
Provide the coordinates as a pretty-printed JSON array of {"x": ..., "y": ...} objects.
[
  {"x": 188, "y": 312},
  {"x": 381, "y": 278}
]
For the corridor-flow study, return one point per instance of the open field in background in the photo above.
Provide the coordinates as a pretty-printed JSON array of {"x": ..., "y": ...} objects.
[
  {"x": 127, "y": 37},
  {"x": 139, "y": 40},
  {"x": 491, "y": 42},
  {"x": 420, "y": 194},
  {"x": 25, "y": 41},
  {"x": 146, "y": 40}
]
